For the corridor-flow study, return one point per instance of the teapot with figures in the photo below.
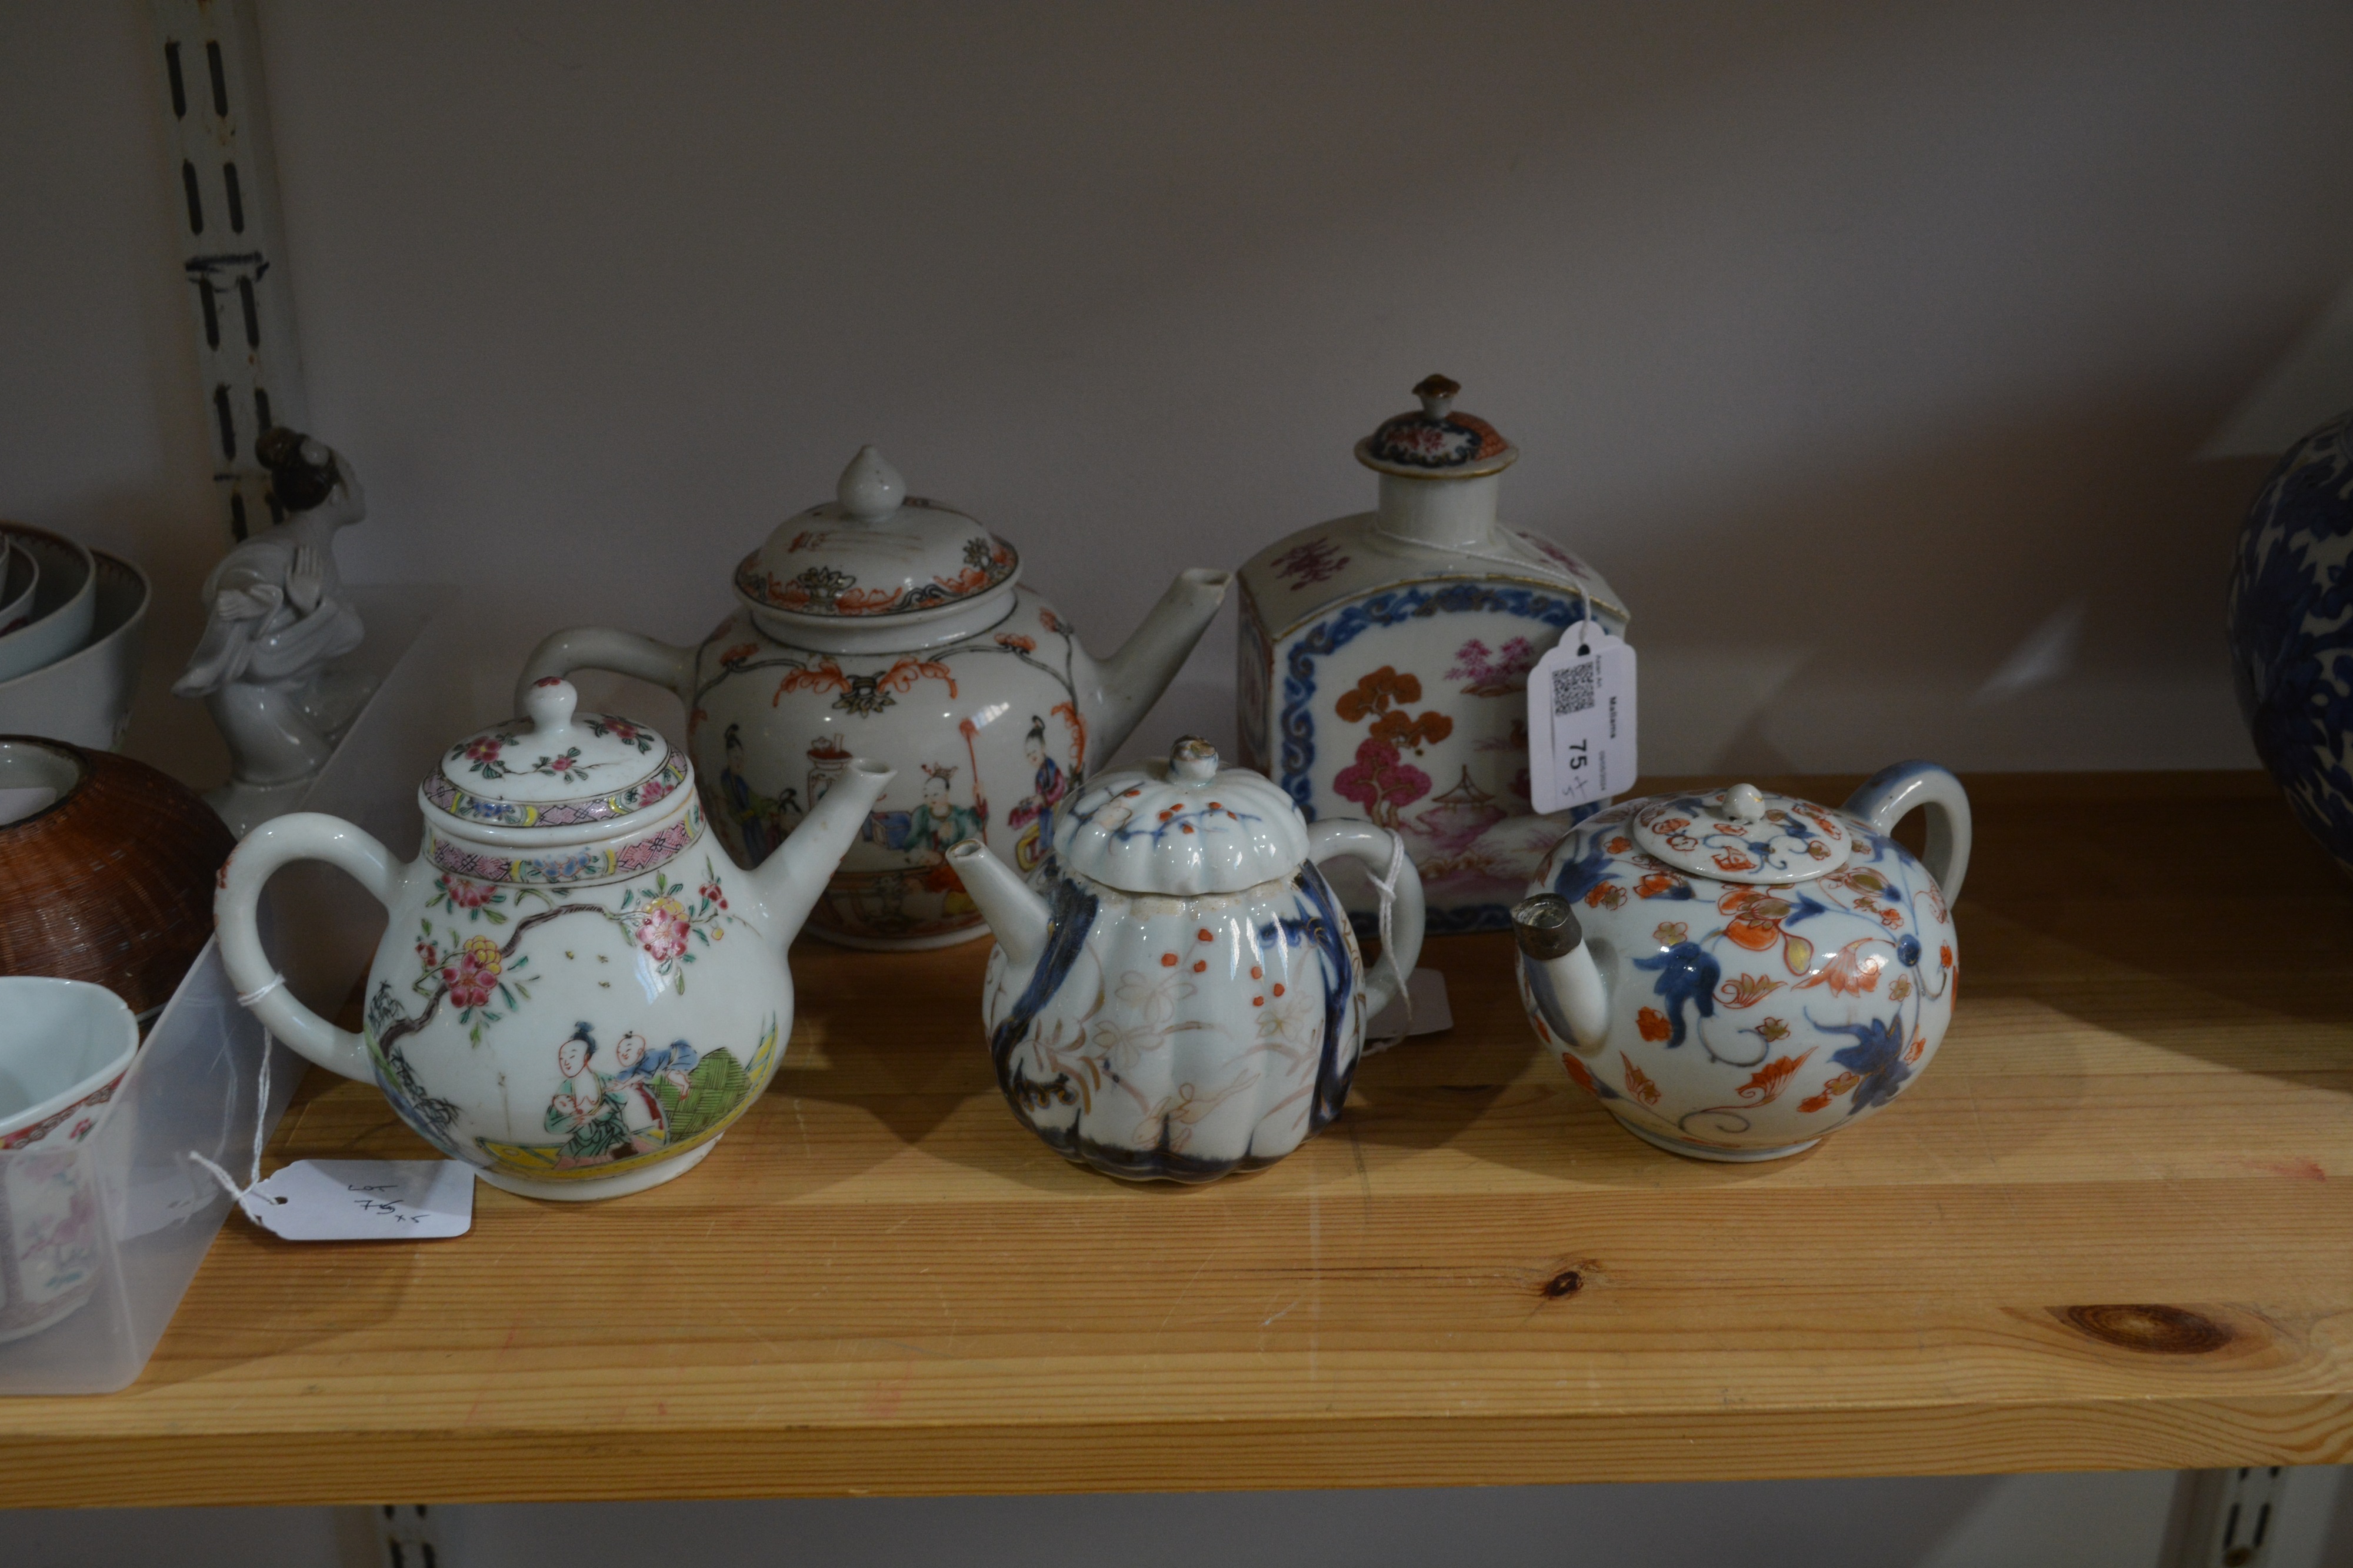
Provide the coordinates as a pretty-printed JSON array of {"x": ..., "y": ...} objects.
[{"x": 579, "y": 991}]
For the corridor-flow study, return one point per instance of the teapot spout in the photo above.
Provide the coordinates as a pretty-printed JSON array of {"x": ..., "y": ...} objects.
[
  {"x": 1131, "y": 680},
  {"x": 1570, "y": 994},
  {"x": 1015, "y": 916},
  {"x": 790, "y": 882}
]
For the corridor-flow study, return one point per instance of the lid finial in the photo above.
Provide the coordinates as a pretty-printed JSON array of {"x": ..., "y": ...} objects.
[
  {"x": 1438, "y": 394},
  {"x": 1192, "y": 758},
  {"x": 549, "y": 703},
  {"x": 871, "y": 490}
]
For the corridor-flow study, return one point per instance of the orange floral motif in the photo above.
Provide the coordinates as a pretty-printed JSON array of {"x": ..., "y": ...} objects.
[
  {"x": 1830, "y": 1091},
  {"x": 1911, "y": 1052},
  {"x": 1654, "y": 1024},
  {"x": 1669, "y": 932},
  {"x": 1892, "y": 919},
  {"x": 1618, "y": 846},
  {"x": 1766, "y": 1083},
  {"x": 1899, "y": 988},
  {"x": 1415, "y": 732},
  {"x": 1771, "y": 1030},
  {"x": 1658, "y": 884},
  {"x": 1606, "y": 896},
  {"x": 1945, "y": 957},
  {"x": 739, "y": 653},
  {"x": 1637, "y": 1082},
  {"x": 1376, "y": 692},
  {"x": 1747, "y": 990},
  {"x": 1577, "y": 1072},
  {"x": 1848, "y": 971}
]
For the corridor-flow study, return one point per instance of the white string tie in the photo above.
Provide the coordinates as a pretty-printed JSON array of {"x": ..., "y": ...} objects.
[
  {"x": 1388, "y": 885},
  {"x": 245, "y": 1194},
  {"x": 252, "y": 997}
]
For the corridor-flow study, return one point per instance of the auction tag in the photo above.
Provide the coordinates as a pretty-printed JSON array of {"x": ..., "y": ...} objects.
[
  {"x": 1581, "y": 719},
  {"x": 365, "y": 1200}
]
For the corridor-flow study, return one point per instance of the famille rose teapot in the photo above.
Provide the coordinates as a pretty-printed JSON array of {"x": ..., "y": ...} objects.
[
  {"x": 579, "y": 991},
  {"x": 1185, "y": 998},
  {"x": 1734, "y": 974},
  {"x": 886, "y": 625}
]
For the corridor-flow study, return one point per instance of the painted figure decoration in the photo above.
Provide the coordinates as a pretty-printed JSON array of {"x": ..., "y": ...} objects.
[
  {"x": 887, "y": 625},
  {"x": 579, "y": 990},
  {"x": 1385, "y": 660},
  {"x": 1736, "y": 974},
  {"x": 1174, "y": 994}
]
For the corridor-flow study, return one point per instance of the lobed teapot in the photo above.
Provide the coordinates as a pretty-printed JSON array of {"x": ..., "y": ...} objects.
[
  {"x": 1185, "y": 998},
  {"x": 1734, "y": 974},
  {"x": 886, "y": 625},
  {"x": 577, "y": 992}
]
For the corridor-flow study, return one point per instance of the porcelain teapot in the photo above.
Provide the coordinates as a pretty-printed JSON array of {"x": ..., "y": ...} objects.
[
  {"x": 887, "y": 626},
  {"x": 1736, "y": 973},
  {"x": 1184, "y": 998},
  {"x": 579, "y": 991}
]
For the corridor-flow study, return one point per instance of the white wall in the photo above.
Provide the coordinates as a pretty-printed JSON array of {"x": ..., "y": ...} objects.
[{"x": 1866, "y": 347}]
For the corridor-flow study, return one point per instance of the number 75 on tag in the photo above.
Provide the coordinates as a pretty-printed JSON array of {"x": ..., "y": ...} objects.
[{"x": 1581, "y": 719}]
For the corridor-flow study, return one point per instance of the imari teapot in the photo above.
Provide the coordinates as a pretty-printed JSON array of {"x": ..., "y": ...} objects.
[
  {"x": 1734, "y": 975},
  {"x": 1174, "y": 994},
  {"x": 890, "y": 627},
  {"x": 579, "y": 990}
]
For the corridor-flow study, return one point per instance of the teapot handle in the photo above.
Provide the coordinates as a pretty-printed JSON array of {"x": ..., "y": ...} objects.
[
  {"x": 1376, "y": 848},
  {"x": 602, "y": 647},
  {"x": 1893, "y": 793},
  {"x": 300, "y": 836}
]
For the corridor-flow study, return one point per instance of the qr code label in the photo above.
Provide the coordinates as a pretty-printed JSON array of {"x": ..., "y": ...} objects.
[{"x": 1572, "y": 689}]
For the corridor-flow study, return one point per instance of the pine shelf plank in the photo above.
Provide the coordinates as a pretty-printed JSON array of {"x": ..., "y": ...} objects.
[{"x": 2107, "y": 1229}]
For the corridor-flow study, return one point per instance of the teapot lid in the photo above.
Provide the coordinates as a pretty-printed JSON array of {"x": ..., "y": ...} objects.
[
  {"x": 1743, "y": 834},
  {"x": 874, "y": 552},
  {"x": 1182, "y": 826},
  {"x": 1435, "y": 442},
  {"x": 554, "y": 767}
]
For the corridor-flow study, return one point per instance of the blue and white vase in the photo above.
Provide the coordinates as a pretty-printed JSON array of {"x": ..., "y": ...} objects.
[{"x": 2291, "y": 628}]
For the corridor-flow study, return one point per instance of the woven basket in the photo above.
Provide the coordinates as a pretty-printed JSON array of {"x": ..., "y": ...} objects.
[{"x": 111, "y": 882}]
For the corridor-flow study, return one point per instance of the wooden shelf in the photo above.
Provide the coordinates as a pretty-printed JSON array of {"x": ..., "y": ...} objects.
[{"x": 2109, "y": 1228}]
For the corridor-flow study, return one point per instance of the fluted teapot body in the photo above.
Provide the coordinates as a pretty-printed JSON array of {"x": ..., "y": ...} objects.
[
  {"x": 886, "y": 625},
  {"x": 1174, "y": 994},
  {"x": 578, "y": 990}
]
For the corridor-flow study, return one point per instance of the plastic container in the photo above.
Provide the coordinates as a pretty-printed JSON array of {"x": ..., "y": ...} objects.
[{"x": 112, "y": 1230}]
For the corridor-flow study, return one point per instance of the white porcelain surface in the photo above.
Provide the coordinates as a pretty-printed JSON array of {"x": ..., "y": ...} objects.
[
  {"x": 578, "y": 1004},
  {"x": 980, "y": 698},
  {"x": 277, "y": 617},
  {"x": 84, "y": 698},
  {"x": 1384, "y": 660},
  {"x": 64, "y": 1046},
  {"x": 1741, "y": 1019},
  {"x": 20, "y": 578},
  {"x": 65, "y": 602},
  {"x": 1181, "y": 1036}
]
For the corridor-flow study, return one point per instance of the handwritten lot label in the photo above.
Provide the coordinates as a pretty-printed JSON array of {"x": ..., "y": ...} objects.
[
  {"x": 1581, "y": 719},
  {"x": 365, "y": 1200}
]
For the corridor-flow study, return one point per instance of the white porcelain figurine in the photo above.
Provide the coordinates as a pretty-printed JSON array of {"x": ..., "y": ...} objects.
[
  {"x": 1183, "y": 998},
  {"x": 1385, "y": 660},
  {"x": 278, "y": 617},
  {"x": 578, "y": 990},
  {"x": 888, "y": 625},
  {"x": 1734, "y": 974}
]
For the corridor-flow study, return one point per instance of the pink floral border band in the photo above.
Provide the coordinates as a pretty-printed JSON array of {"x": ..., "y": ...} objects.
[{"x": 587, "y": 863}]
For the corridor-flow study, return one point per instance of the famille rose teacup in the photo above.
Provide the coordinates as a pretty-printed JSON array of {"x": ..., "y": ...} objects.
[{"x": 64, "y": 1048}]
